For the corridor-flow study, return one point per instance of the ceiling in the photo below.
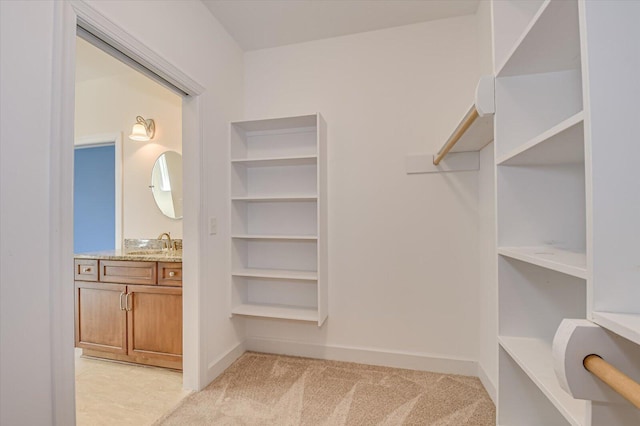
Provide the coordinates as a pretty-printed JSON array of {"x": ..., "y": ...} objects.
[{"x": 259, "y": 24}]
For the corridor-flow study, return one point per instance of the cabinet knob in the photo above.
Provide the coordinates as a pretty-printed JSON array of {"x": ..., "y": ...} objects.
[
  {"x": 172, "y": 274},
  {"x": 86, "y": 269}
]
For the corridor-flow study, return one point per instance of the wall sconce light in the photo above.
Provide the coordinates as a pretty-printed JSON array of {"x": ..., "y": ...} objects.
[{"x": 143, "y": 130}]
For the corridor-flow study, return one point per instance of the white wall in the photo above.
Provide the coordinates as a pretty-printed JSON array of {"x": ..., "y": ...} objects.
[
  {"x": 111, "y": 104},
  {"x": 25, "y": 104},
  {"x": 403, "y": 249},
  {"x": 488, "y": 300},
  {"x": 188, "y": 36}
]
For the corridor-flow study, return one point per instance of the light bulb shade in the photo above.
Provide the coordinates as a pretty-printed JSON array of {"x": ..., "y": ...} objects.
[
  {"x": 143, "y": 130},
  {"x": 139, "y": 133}
]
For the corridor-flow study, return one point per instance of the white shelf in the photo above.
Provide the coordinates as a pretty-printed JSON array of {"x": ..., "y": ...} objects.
[
  {"x": 551, "y": 42},
  {"x": 277, "y": 123},
  {"x": 305, "y": 160},
  {"x": 276, "y": 273},
  {"x": 479, "y": 135},
  {"x": 535, "y": 358},
  {"x": 276, "y": 311},
  {"x": 567, "y": 262},
  {"x": 274, "y": 198},
  {"x": 275, "y": 237},
  {"x": 562, "y": 144},
  {"x": 625, "y": 325}
]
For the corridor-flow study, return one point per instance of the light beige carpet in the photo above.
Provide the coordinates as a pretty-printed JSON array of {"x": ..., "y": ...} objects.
[{"x": 262, "y": 389}]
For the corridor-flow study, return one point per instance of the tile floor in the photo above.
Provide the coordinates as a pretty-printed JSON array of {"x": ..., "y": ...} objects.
[{"x": 111, "y": 393}]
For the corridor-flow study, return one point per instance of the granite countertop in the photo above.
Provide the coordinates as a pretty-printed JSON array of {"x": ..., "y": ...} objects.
[{"x": 139, "y": 255}]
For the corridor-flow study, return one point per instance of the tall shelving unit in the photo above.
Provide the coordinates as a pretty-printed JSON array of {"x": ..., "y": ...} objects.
[
  {"x": 549, "y": 254},
  {"x": 279, "y": 218},
  {"x": 541, "y": 204}
]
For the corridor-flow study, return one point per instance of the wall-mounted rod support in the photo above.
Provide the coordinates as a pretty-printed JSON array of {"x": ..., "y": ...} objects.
[
  {"x": 613, "y": 377},
  {"x": 464, "y": 125}
]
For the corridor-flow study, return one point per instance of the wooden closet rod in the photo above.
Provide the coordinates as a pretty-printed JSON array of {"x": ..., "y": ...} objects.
[
  {"x": 467, "y": 121},
  {"x": 616, "y": 379}
]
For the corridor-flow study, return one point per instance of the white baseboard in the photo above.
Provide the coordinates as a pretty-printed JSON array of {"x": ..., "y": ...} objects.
[
  {"x": 413, "y": 361},
  {"x": 216, "y": 367},
  {"x": 488, "y": 384}
]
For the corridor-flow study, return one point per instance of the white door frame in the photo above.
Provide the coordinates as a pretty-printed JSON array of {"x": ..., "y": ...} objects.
[
  {"x": 68, "y": 14},
  {"x": 114, "y": 138}
]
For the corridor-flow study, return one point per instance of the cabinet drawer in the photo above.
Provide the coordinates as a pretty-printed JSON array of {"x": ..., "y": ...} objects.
[
  {"x": 127, "y": 272},
  {"x": 170, "y": 273},
  {"x": 86, "y": 270}
]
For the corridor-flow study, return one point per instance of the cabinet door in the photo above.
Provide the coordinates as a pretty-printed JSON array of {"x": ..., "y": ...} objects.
[
  {"x": 101, "y": 321},
  {"x": 155, "y": 323}
]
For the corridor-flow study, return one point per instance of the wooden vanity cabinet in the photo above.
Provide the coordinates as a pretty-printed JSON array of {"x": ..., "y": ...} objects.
[
  {"x": 155, "y": 323},
  {"x": 100, "y": 323},
  {"x": 128, "y": 320}
]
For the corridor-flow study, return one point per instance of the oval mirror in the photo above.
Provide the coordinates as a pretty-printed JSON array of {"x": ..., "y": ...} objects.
[{"x": 166, "y": 184}]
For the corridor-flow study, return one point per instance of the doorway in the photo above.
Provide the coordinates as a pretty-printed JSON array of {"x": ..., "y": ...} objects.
[
  {"x": 69, "y": 16},
  {"x": 113, "y": 205}
]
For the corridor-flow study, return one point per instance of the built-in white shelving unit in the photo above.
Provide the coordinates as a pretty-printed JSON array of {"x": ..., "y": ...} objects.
[
  {"x": 279, "y": 218},
  {"x": 567, "y": 240},
  {"x": 541, "y": 203}
]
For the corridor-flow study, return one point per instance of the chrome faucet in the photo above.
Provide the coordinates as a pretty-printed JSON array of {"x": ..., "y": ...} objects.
[{"x": 168, "y": 244}]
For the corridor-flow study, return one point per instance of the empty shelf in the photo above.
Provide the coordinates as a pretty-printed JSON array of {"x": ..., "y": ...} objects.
[
  {"x": 277, "y": 161},
  {"x": 550, "y": 42},
  {"x": 567, "y": 262},
  {"x": 276, "y": 273},
  {"x": 535, "y": 358},
  {"x": 625, "y": 325},
  {"x": 472, "y": 134},
  {"x": 269, "y": 198},
  {"x": 276, "y": 311},
  {"x": 562, "y": 144},
  {"x": 275, "y": 237},
  {"x": 477, "y": 136}
]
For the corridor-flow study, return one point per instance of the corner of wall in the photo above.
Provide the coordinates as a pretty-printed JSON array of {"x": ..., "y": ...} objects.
[
  {"x": 488, "y": 384},
  {"x": 485, "y": 39},
  {"x": 217, "y": 366}
]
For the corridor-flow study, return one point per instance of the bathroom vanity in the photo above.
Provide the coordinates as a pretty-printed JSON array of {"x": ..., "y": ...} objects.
[{"x": 129, "y": 306}]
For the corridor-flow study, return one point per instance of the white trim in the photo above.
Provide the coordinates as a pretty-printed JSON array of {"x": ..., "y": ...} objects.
[
  {"x": 409, "y": 360},
  {"x": 99, "y": 139},
  {"x": 97, "y": 24},
  {"x": 488, "y": 384},
  {"x": 61, "y": 216},
  {"x": 67, "y": 14},
  {"x": 114, "y": 138},
  {"x": 217, "y": 367},
  {"x": 194, "y": 303}
]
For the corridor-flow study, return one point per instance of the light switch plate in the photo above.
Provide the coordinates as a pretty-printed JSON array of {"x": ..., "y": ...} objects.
[{"x": 213, "y": 225}]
